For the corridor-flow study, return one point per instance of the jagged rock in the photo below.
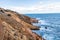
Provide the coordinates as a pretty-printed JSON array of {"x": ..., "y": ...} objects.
[
  {"x": 33, "y": 20},
  {"x": 15, "y": 26},
  {"x": 22, "y": 19}
]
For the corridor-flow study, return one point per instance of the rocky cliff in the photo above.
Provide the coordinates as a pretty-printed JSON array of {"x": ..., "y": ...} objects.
[{"x": 15, "y": 26}]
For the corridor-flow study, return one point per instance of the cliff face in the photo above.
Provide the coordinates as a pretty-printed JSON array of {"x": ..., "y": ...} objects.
[{"x": 14, "y": 26}]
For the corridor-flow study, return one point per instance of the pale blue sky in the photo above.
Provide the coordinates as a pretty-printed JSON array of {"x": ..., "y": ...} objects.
[
  {"x": 18, "y": 2},
  {"x": 32, "y": 6}
]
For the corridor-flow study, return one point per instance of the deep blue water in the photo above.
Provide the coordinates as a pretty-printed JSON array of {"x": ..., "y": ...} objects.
[{"x": 51, "y": 21}]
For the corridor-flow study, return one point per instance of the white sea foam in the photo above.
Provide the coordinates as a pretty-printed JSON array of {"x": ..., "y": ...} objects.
[
  {"x": 38, "y": 18},
  {"x": 48, "y": 37},
  {"x": 42, "y": 28},
  {"x": 43, "y": 22}
]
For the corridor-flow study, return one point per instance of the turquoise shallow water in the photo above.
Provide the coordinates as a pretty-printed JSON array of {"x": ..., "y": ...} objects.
[{"x": 51, "y": 21}]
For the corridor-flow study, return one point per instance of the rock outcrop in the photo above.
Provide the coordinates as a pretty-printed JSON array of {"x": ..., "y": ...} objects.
[{"x": 15, "y": 26}]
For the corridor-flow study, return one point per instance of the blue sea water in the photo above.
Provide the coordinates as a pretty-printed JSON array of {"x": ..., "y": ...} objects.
[{"x": 51, "y": 21}]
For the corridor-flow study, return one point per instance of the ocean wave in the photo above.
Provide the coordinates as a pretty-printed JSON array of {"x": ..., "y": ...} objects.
[
  {"x": 43, "y": 22},
  {"x": 38, "y": 18},
  {"x": 52, "y": 22},
  {"x": 48, "y": 37}
]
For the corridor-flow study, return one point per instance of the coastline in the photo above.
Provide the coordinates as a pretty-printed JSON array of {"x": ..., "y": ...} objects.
[{"x": 18, "y": 25}]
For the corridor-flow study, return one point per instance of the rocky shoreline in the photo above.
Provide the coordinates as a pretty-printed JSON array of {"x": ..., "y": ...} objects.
[{"x": 15, "y": 26}]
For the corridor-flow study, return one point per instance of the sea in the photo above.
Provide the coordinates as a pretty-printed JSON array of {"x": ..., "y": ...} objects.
[{"x": 49, "y": 25}]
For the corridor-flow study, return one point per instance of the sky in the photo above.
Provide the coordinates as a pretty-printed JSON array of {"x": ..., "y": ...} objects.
[{"x": 32, "y": 6}]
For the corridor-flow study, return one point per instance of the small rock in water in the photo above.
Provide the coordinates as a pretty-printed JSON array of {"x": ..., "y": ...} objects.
[{"x": 45, "y": 27}]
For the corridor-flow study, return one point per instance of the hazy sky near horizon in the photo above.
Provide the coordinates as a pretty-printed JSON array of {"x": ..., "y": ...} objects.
[{"x": 32, "y": 6}]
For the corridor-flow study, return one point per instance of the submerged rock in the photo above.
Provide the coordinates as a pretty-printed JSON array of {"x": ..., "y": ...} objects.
[{"x": 14, "y": 26}]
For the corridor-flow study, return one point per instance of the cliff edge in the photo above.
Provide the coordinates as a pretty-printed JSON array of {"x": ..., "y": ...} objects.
[{"x": 15, "y": 26}]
